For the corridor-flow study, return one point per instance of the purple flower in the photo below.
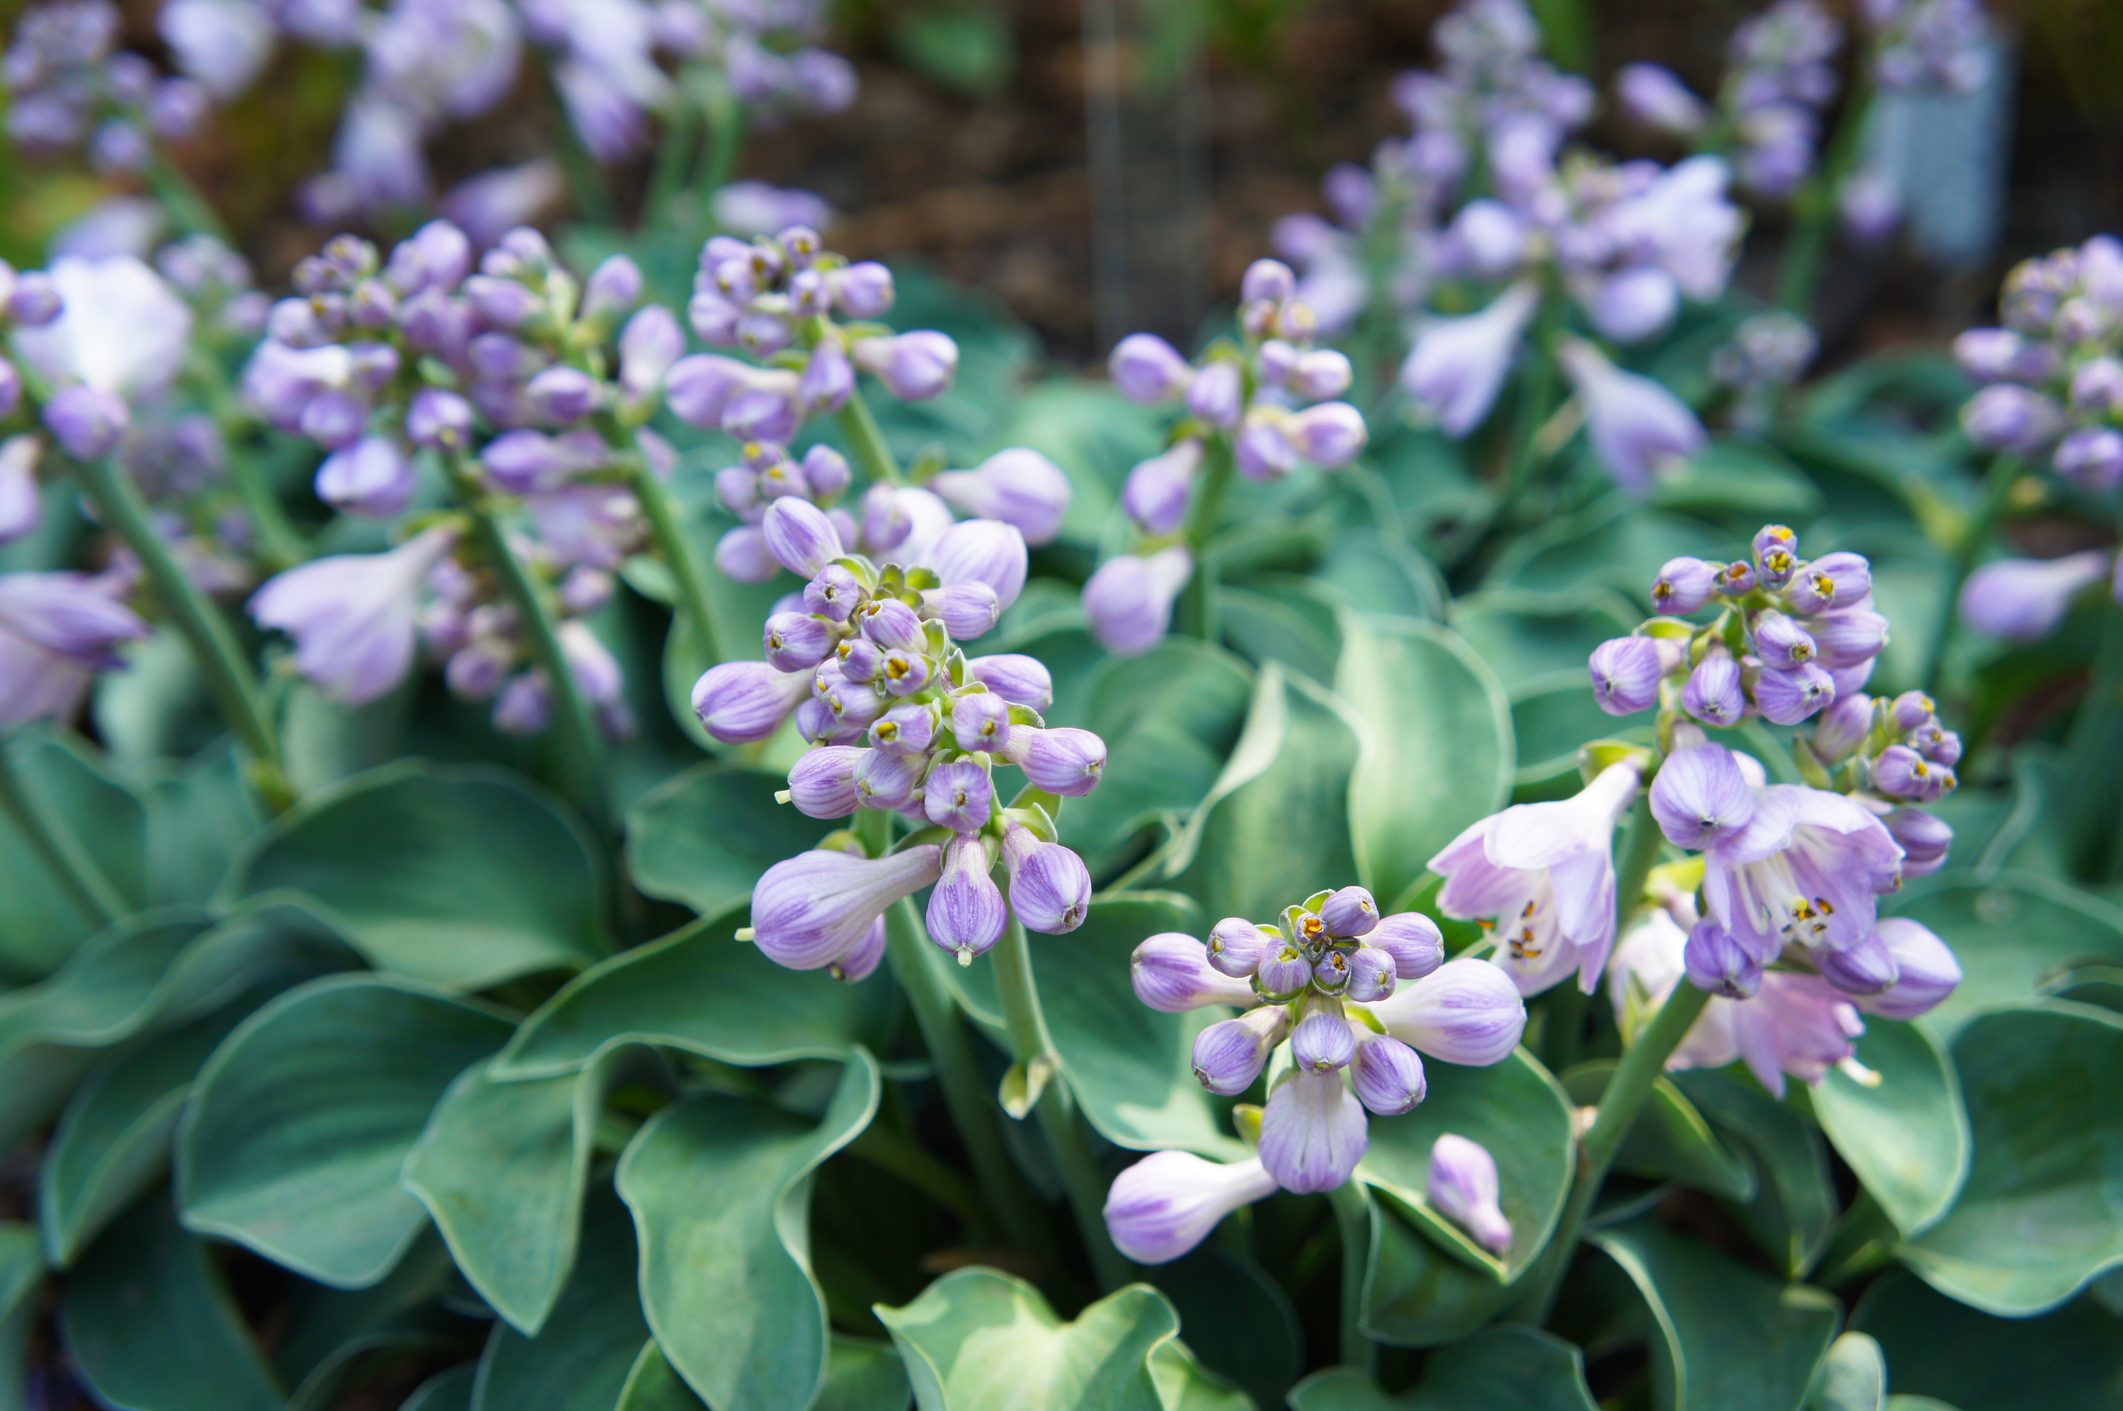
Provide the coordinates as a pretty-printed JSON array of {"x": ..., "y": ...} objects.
[
  {"x": 1657, "y": 98},
  {"x": 1230, "y": 1054},
  {"x": 1147, "y": 369},
  {"x": 1718, "y": 964},
  {"x": 2022, "y": 600},
  {"x": 121, "y": 330},
  {"x": 354, "y": 616},
  {"x": 822, "y": 781},
  {"x": 1155, "y": 495},
  {"x": 982, "y": 551},
  {"x": 1387, "y": 1075},
  {"x": 966, "y": 910},
  {"x": 1466, "y": 1011},
  {"x": 87, "y": 422},
  {"x": 372, "y": 477},
  {"x": 1129, "y": 599},
  {"x": 1412, "y": 939},
  {"x": 913, "y": 366},
  {"x": 801, "y": 537},
  {"x": 1545, "y": 873},
  {"x": 1067, "y": 762},
  {"x": 1457, "y": 365},
  {"x": 1463, "y": 1188},
  {"x": 1626, "y": 672},
  {"x": 1168, "y": 1202},
  {"x": 57, "y": 630},
  {"x": 744, "y": 702},
  {"x": 1313, "y": 1132},
  {"x": 1050, "y": 888},
  {"x": 1017, "y": 678},
  {"x": 1685, "y": 585},
  {"x": 1171, "y": 973},
  {"x": 1637, "y": 427},
  {"x": 1019, "y": 487},
  {"x": 1701, "y": 797},
  {"x": 21, "y": 507},
  {"x": 1925, "y": 971},
  {"x": 816, "y": 908}
]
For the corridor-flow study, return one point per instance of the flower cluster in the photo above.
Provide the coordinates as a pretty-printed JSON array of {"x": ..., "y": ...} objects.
[
  {"x": 1780, "y": 76},
  {"x": 869, "y": 660},
  {"x": 72, "y": 88},
  {"x": 2053, "y": 373},
  {"x": 1791, "y": 635},
  {"x": 1324, "y": 982},
  {"x": 1929, "y": 44},
  {"x": 768, "y": 51},
  {"x": 1262, "y": 405}
]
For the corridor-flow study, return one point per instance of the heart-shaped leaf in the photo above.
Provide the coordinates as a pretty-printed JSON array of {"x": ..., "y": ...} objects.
[
  {"x": 586, "y": 1354},
  {"x": 1936, "y": 1347},
  {"x": 40, "y": 921},
  {"x": 726, "y": 1282},
  {"x": 1523, "y": 1369},
  {"x": 461, "y": 878},
  {"x": 2012, "y": 934},
  {"x": 1852, "y": 1376},
  {"x": 1906, "y": 1136},
  {"x": 1795, "y": 1204},
  {"x": 2042, "y": 1210},
  {"x": 703, "y": 837},
  {"x": 301, "y": 1121},
  {"x": 1438, "y": 750}
]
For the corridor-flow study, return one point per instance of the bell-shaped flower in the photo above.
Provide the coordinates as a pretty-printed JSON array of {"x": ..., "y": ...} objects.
[
  {"x": 744, "y": 702},
  {"x": 1171, "y": 973},
  {"x": 1544, "y": 874},
  {"x": 1313, "y": 1131},
  {"x": 1019, "y": 487},
  {"x": 121, "y": 329},
  {"x": 1638, "y": 428},
  {"x": 814, "y": 909},
  {"x": 354, "y": 617},
  {"x": 1464, "y": 1188},
  {"x": 1457, "y": 367},
  {"x": 1168, "y": 1202},
  {"x": 2022, "y": 600},
  {"x": 1466, "y": 1011},
  {"x": 57, "y": 630},
  {"x": 1129, "y": 599}
]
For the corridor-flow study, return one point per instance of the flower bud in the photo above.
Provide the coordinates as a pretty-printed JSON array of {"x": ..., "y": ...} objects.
[
  {"x": 1313, "y": 1132},
  {"x": 1866, "y": 968},
  {"x": 2008, "y": 417},
  {"x": 1841, "y": 728},
  {"x": 1155, "y": 495},
  {"x": 1147, "y": 369},
  {"x": 1387, "y": 1074},
  {"x": 1237, "y": 946},
  {"x": 1788, "y": 697},
  {"x": 1372, "y": 975},
  {"x": 888, "y": 781},
  {"x": 1780, "y": 641},
  {"x": 1018, "y": 679},
  {"x": 1924, "y": 839},
  {"x": 980, "y": 721},
  {"x": 1050, "y": 888},
  {"x": 1018, "y": 487},
  {"x": 1170, "y": 972},
  {"x": 1229, "y": 1054},
  {"x": 1464, "y": 1189},
  {"x": 800, "y": 537},
  {"x": 1129, "y": 599},
  {"x": 1217, "y": 394},
  {"x": 958, "y": 796},
  {"x": 1284, "y": 973},
  {"x": 2021, "y": 600},
  {"x": 743, "y": 702},
  {"x": 1269, "y": 280},
  {"x": 561, "y": 395},
  {"x": 1412, "y": 939},
  {"x": 1467, "y": 1011},
  {"x": 1329, "y": 435},
  {"x": 1322, "y": 1041},
  {"x": 1837, "y": 580},
  {"x": 862, "y": 961},
  {"x": 797, "y": 641},
  {"x": 862, "y": 290},
  {"x": 613, "y": 288},
  {"x": 1713, "y": 694},
  {"x": 1700, "y": 796},
  {"x": 1066, "y": 761},
  {"x": 891, "y": 624},
  {"x": 372, "y": 477},
  {"x": 1348, "y": 913},
  {"x": 822, "y": 781},
  {"x": 909, "y": 728},
  {"x": 1849, "y": 638},
  {"x": 1168, "y": 1202},
  {"x": 833, "y": 593},
  {"x": 1684, "y": 586},
  {"x": 815, "y": 908},
  {"x": 1925, "y": 971},
  {"x": 966, "y": 910},
  {"x": 913, "y": 366},
  {"x": 87, "y": 422},
  {"x": 1626, "y": 672},
  {"x": 1718, "y": 964},
  {"x": 828, "y": 379}
]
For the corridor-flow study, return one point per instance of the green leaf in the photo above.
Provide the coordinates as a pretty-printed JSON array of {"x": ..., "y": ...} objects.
[
  {"x": 701, "y": 991},
  {"x": 1526, "y": 636},
  {"x": 1551, "y": 719},
  {"x": 149, "y": 1327},
  {"x": 199, "y": 813},
  {"x": 113, "y": 1141},
  {"x": 1792, "y": 1212},
  {"x": 2042, "y": 1210},
  {"x": 1729, "y": 1338},
  {"x": 978, "y": 1339},
  {"x": 1438, "y": 749},
  {"x": 1164, "y": 748},
  {"x": 1670, "y": 1140},
  {"x": 21, "y": 1275},
  {"x": 1906, "y": 1137},
  {"x": 726, "y": 1282},
  {"x": 1286, "y": 619},
  {"x": 1731, "y": 481},
  {"x": 39, "y": 921},
  {"x": 1130, "y": 1067},
  {"x": 1935, "y": 1347},
  {"x": 1240, "y": 1323},
  {"x": 2012, "y": 935},
  {"x": 300, "y": 1122},
  {"x": 653, "y": 1386},
  {"x": 502, "y": 1168},
  {"x": 1614, "y": 544},
  {"x": 1275, "y": 828},
  {"x": 461, "y": 878},
  {"x": 587, "y": 1352},
  {"x": 445, "y": 1391},
  {"x": 862, "y": 1375},
  {"x": 1522, "y": 1369},
  {"x": 703, "y": 837},
  {"x": 1852, "y": 1376}
]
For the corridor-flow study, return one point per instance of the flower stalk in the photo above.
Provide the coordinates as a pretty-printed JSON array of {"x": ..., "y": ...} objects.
[
  {"x": 1970, "y": 537},
  {"x": 664, "y": 526},
  {"x": 1197, "y": 602}
]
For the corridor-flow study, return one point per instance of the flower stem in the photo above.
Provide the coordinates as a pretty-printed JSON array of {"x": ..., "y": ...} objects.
[
  {"x": 1973, "y": 534},
  {"x": 72, "y": 865},
  {"x": 577, "y": 740},
  {"x": 1623, "y": 1099},
  {"x": 1352, "y": 1218},
  {"x": 229, "y": 677},
  {"x": 1536, "y": 404},
  {"x": 866, "y": 441},
  {"x": 952, "y": 1059},
  {"x": 1197, "y": 604},
  {"x": 678, "y": 556},
  {"x": 1055, "y": 1109},
  {"x": 726, "y": 131},
  {"x": 1816, "y": 206}
]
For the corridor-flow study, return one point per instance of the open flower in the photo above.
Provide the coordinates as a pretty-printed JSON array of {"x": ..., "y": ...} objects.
[
  {"x": 354, "y": 617},
  {"x": 57, "y": 631}
]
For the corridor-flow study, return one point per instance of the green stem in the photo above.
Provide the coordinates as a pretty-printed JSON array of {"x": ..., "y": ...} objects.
[
  {"x": 866, "y": 441},
  {"x": 1968, "y": 547},
  {"x": 229, "y": 678},
  {"x": 70, "y": 863},
  {"x": 1056, "y": 1111},
  {"x": 278, "y": 542},
  {"x": 660, "y": 204},
  {"x": 1352, "y": 1218},
  {"x": 187, "y": 209},
  {"x": 1816, "y": 207},
  {"x": 952, "y": 1059},
  {"x": 1628, "y": 1089},
  {"x": 726, "y": 131},
  {"x": 576, "y": 737},
  {"x": 1197, "y": 604},
  {"x": 1564, "y": 1035},
  {"x": 678, "y": 556},
  {"x": 1536, "y": 402}
]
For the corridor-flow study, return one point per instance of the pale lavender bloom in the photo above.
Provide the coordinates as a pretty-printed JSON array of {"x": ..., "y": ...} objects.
[
  {"x": 1155, "y": 494},
  {"x": 1718, "y": 964},
  {"x": 1171, "y": 973},
  {"x": 21, "y": 507},
  {"x": 354, "y": 617},
  {"x": 1412, "y": 939},
  {"x": 1925, "y": 971},
  {"x": 750, "y": 208},
  {"x": 1457, "y": 366},
  {"x": 744, "y": 702},
  {"x": 1145, "y": 368},
  {"x": 1018, "y": 487},
  {"x": 1387, "y": 1075},
  {"x": 121, "y": 330},
  {"x": 372, "y": 477},
  {"x": 1068, "y": 762},
  {"x": 822, "y": 781},
  {"x": 814, "y": 909},
  {"x": 493, "y": 203},
  {"x": 57, "y": 631},
  {"x": 1463, "y": 1187},
  {"x": 1050, "y": 888},
  {"x": 801, "y": 537},
  {"x": 1168, "y": 1202},
  {"x": 1230, "y": 1054},
  {"x": 2022, "y": 600},
  {"x": 1657, "y": 98},
  {"x": 1544, "y": 873},
  {"x": 983, "y": 551},
  {"x": 1129, "y": 599},
  {"x": 913, "y": 366},
  {"x": 1313, "y": 1132},
  {"x": 967, "y": 913},
  {"x": 1638, "y": 428},
  {"x": 1626, "y": 672},
  {"x": 1017, "y": 678},
  {"x": 1466, "y": 1011}
]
